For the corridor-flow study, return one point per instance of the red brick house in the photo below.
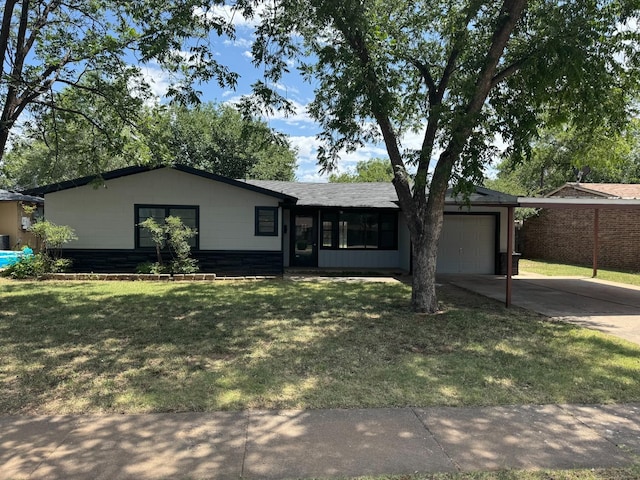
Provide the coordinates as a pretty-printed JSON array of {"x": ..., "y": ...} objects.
[{"x": 567, "y": 234}]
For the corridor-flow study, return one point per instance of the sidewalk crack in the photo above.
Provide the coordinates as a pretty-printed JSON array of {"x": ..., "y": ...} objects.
[
  {"x": 435, "y": 439},
  {"x": 246, "y": 444}
]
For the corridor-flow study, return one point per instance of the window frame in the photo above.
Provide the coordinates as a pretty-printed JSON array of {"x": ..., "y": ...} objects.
[
  {"x": 334, "y": 217},
  {"x": 167, "y": 209},
  {"x": 272, "y": 233}
]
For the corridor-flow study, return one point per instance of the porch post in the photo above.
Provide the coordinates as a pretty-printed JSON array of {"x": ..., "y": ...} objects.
[
  {"x": 596, "y": 240},
  {"x": 510, "y": 228}
]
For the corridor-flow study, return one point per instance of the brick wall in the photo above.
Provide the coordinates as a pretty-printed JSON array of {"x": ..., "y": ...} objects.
[{"x": 566, "y": 235}]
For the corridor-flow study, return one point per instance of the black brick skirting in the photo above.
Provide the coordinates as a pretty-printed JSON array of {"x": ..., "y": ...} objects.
[{"x": 220, "y": 262}]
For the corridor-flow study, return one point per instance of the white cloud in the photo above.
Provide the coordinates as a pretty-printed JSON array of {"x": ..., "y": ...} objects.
[
  {"x": 157, "y": 79},
  {"x": 299, "y": 118},
  {"x": 240, "y": 42},
  {"x": 308, "y": 168},
  {"x": 286, "y": 88},
  {"x": 230, "y": 14},
  {"x": 247, "y": 54}
]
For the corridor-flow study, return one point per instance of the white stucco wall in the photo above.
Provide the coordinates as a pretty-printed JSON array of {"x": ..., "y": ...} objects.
[{"x": 104, "y": 217}]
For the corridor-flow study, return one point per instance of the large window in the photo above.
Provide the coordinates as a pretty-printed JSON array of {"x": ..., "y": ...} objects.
[
  {"x": 359, "y": 229},
  {"x": 266, "y": 221},
  {"x": 188, "y": 214}
]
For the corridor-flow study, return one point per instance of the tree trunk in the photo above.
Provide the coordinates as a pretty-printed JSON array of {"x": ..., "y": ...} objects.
[{"x": 425, "y": 251}]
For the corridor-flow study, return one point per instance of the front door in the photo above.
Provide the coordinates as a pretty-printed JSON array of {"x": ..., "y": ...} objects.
[{"x": 305, "y": 240}]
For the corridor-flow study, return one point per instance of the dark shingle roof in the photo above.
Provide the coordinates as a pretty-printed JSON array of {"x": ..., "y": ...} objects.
[
  {"x": 9, "y": 196},
  {"x": 347, "y": 195},
  {"x": 338, "y": 195},
  {"x": 368, "y": 195}
]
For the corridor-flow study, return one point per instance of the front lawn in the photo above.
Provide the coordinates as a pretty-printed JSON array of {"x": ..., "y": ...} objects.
[{"x": 87, "y": 347}]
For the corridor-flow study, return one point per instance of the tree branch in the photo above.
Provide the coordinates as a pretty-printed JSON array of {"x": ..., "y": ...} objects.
[
  {"x": 508, "y": 71},
  {"x": 357, "y": 43},
  {"x": 425, "y": 73},
  {"x": 80, "y": 113},
  {"x": 6, "y": 31},
  {"x": 510, "y": 13},
  {"x": 456, "y": 49}
]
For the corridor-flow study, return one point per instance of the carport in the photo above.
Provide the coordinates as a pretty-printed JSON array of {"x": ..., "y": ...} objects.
[
  {"x": 595, "y": 204},
  {"x": 589, "y": 302}
]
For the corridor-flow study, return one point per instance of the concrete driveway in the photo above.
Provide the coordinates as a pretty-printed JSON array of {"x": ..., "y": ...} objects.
[{"x": 606, "y": 306}]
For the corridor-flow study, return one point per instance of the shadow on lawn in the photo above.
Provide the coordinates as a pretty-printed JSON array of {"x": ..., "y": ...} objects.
[{"x": 89, "y": 347}]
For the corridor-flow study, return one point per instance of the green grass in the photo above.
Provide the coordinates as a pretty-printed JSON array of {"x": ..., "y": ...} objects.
[
  {"x": 631, "y": 473},
  {"x": 89, "y": 347},
  {"x": 559, "y": 269}
]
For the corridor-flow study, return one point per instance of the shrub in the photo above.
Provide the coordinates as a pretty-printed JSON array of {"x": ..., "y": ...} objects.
[
  {"x": 174, "y": 235},
  {"x": 150, "y": 268},
  {"x": 34, "y": 266},
  {"x": 52, "y": 237}
]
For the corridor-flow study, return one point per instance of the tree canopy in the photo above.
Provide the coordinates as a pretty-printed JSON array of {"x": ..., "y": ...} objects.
[
  {"x": 457, "y": 72},
  {"x": 47, "y": 45},
  {"x": 558, "y": 156},
  {"x": 218, "y": 139},
  {"x": 374, "y": 170}
]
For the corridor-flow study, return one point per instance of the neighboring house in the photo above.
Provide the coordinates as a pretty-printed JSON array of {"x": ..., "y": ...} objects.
[
  {"x": 567, "y": 234},
  {"x": 14, "y": 221},
  {"x": 261, "y": 227}
]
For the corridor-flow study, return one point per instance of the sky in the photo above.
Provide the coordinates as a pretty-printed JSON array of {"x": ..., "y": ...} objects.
[{"x": 300, "y": 127}]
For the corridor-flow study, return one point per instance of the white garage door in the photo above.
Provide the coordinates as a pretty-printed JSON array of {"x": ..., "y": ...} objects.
[{"x": 467, "y": 244}]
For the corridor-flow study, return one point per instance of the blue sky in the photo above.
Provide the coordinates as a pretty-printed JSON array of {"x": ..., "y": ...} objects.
[{"x": 302, "y": 130}]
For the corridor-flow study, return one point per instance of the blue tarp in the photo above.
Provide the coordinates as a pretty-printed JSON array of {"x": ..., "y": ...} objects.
[{"x": 9, "y": 257}]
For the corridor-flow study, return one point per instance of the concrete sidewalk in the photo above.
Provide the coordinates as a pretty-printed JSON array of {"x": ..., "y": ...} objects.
[{"x": 318, "y": 443}]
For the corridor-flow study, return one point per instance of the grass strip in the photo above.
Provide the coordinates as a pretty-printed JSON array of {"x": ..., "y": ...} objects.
[{"x": 560, "y": 269}]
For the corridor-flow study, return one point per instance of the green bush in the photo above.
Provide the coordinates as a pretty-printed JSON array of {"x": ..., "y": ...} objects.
[
  {"x": 34, "y": 266},
  {"x": 52, "y": 237},
  {"x": 173, "y": 236},
  {"x": 150, "y": 268}
]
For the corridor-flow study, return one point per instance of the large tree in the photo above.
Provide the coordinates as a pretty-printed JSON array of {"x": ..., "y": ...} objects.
[
  {"x": 561, "y": 155},
  {"x": 374, "y": 170},
  {"x": 59, "y": 145},
  {"x": 46, "y": 45},
  {"x": 458, "y": 72},
  {"x": 218, "y": 139}
]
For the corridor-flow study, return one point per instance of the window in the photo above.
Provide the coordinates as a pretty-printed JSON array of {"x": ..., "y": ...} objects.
[
  {"x": 266, "y": 221},
  {"x": 360, "y": 230},
  {"x": 188, "y": 214}
]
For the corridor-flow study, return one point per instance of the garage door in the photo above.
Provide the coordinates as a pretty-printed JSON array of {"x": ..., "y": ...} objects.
[{"x": 467, "y": 244}]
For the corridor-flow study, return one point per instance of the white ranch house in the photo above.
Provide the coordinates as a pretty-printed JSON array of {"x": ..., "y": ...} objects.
[{"x": 263, "y": 227}]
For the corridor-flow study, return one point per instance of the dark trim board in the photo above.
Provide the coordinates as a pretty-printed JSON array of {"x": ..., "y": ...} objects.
[{"x": 221, "y": 262}]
